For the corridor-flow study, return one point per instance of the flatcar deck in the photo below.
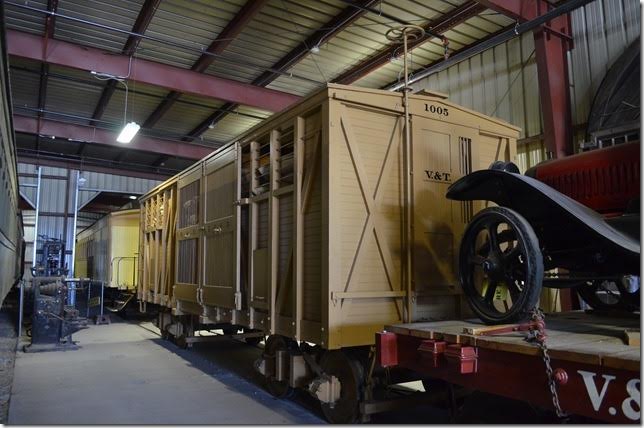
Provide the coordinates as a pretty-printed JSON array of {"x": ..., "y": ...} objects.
[
  {"x": 595, "y": 357},
  {"x": 572, "y": 336}
]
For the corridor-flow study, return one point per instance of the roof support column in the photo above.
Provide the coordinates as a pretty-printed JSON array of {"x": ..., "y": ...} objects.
[
  {"x": 552, "y": 43},
  {"x": 554, "y": 89}
]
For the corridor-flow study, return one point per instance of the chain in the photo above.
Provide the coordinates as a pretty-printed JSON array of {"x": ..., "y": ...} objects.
[{"x": 539, "y": 336}]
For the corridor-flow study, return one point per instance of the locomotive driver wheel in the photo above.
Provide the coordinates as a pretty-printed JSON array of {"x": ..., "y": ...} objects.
[{"x": 500, "y": 266}]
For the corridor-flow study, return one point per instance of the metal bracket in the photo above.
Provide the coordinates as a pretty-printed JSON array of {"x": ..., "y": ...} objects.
[{"x": 238, "y": 300}]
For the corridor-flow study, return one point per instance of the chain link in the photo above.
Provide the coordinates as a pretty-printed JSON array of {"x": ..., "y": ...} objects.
[{"x": 539, "y": 336}]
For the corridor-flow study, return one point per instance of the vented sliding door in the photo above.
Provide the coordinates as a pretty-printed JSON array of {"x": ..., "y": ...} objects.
[
  {"x": 221, "y": 224},
  {"x": 188, "y": 236}
]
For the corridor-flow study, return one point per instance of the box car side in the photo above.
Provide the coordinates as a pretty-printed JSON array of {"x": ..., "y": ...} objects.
[{"x": 157, "y": 245}]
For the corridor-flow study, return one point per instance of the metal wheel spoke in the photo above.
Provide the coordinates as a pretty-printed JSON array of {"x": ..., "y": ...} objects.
[
  {"x": 476, "y": 259},
  {"x": 512, "y": 255},
  {"x": 493, "y": 237},
  {"x": 489, "y": 292},
  {"x": 509, "y": 256},
  {"x": 513, "y": 288}
]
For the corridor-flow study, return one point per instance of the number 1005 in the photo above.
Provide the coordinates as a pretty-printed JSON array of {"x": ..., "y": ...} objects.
[{"x": 436, "y": 109}]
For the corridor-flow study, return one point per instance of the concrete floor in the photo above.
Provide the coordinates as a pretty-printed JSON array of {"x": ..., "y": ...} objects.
[{"x": 125, "y": 374}]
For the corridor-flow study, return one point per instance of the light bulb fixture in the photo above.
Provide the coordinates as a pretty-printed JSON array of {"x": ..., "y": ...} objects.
[
  {"x": 81, "y": 180},
  {"x": 212, "y": 125},
  {"x": 128, "y": 132},
  {"x": 315, "y": 49},
  {"x": 132, "y": 197}
]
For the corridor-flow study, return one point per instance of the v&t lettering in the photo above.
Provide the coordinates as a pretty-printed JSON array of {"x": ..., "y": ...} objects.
[{"x": 443, "y": 177}]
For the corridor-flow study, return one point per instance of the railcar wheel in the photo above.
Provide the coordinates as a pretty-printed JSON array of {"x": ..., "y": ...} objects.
[
  {"x": 278, "y": 389},
  {"x": 253, "y": 341},
  {"x": 622, "y": 294},
  {"x": 505, "y": 166},
  {"x": 500, "y": 266},
  {"x": 230, "y": 330},
  {"x": 350, "y": 373}
]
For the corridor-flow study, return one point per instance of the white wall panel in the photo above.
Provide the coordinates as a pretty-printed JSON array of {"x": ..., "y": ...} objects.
[
  {"x": 503, "y": 81},
  {"x": 51, "y": 220}
]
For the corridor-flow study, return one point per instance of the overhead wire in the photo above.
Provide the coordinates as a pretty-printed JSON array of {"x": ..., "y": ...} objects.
[
  {"x": 305, "y": 44},
  {"x": 200, "y": 49}
]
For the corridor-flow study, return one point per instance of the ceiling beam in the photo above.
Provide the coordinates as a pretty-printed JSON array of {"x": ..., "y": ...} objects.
[
  {"x": 85, "y": 58},
  {"x": 322, "y": 35},
  {"x": 436, "y": 27},
  {"x": 90, "y": 134},
  {"x": 50, "y": 24},
  {"x": 160, "y": 161},
  {"x": 442, "y": 63},
  {"x": 498, "y": 38},
  {"x": 29, "y": 158},
  {"x": 140, "y": 26},
  {"x": 224, "y": 38},
  {"x": 522, "y": 11},
  {"x": 552, "y": 42}
]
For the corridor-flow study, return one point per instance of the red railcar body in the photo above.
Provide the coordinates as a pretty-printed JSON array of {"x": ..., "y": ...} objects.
[{"x": 605, "y": 180}]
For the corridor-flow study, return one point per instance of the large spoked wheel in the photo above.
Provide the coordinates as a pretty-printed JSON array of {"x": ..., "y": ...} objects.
[
  {"x": 620, "y": 294},
  {"x": 275, "y": 343},
  {"x": 350, "y": 373},
  {"x": 500, "y": 266}
]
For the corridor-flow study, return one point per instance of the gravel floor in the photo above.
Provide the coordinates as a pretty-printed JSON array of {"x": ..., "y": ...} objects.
[{"x": 8, "y": 343}]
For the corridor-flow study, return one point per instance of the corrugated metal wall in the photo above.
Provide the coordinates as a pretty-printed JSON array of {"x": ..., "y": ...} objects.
[
  {"x": 56, "y": 218},
  {"x": 503, "y": 81}
]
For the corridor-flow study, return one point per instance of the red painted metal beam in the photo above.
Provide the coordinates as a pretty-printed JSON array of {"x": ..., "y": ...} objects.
[
  {"x": 225, "y": 37},
  {"x": 90, "y": 134},
  {"x": 75, "y": 164},
  {"x": 441, "y": 25},
  {"x": 463, "y": 49},
  {"x": 335, "y": 25},
  {"x": 229, "y": 33},
  {"x": 71, "y": 55},
  {"x": 140, "y": 26},
  {"x": 551, "y": 44},
  {"x": 523, "y": 10},
  {"x": 50, "y": 23}
]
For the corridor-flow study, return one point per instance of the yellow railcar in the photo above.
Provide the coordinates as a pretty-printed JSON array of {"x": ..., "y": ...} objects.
[
  {"x": 107, "y": 251},
  {"x": 318, "y": 227}
]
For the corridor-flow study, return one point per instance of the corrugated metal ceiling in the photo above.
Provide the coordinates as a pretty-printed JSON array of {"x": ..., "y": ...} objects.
[{"x": 182, "y": 29}]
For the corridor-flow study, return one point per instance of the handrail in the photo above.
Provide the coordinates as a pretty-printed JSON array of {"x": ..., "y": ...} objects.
[{"x": 118, "y": 269}]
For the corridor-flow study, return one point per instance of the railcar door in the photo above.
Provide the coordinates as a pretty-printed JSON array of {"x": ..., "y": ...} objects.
[
  {"x": 221, "y": 226},
  {"x": 188, "y": 237}
]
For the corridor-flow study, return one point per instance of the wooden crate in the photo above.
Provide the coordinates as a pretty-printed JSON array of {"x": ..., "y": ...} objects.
[
  {"x": 157, "y": 244},
  {"x": 108, "y": 250},
  {"x": 297, "y": 227}
]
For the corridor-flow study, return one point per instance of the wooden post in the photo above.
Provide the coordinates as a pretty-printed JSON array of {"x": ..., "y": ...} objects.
[{"x": 298, "y": 222}]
